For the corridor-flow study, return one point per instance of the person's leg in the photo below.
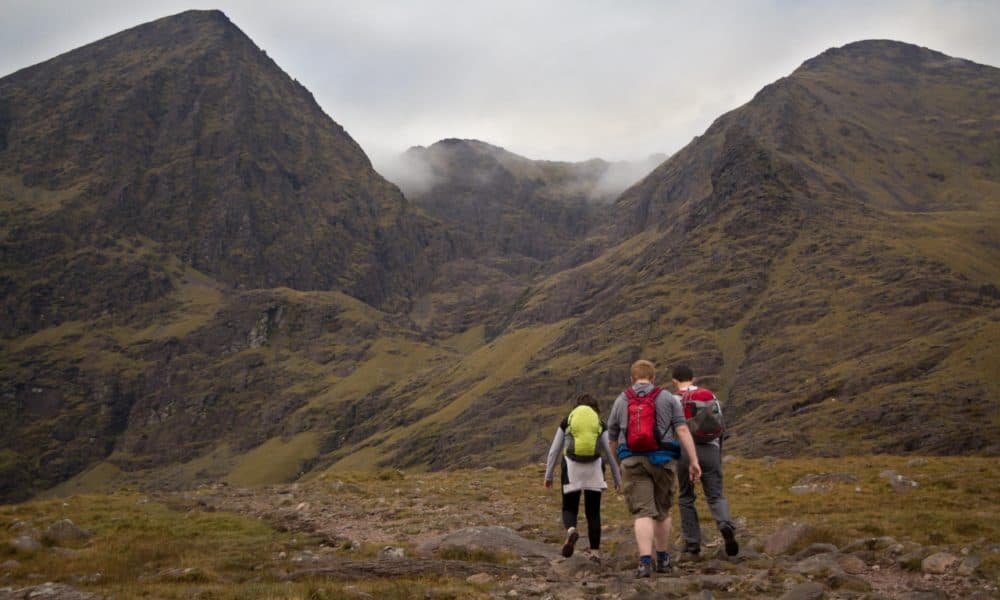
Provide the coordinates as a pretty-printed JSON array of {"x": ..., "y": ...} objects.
[
  {"x": 663, "y": 481},
  {"x": 570, "y": 512},
  {"x": 711, "y": 482},
  {"x": 686, "y": 500},
  {"x": 570, "y": 508},
  {"x": 637, "y": 485},
  {"x": 661, "y": 534},
  {"x": 592, "y": 508},
  {"x": 644, "y": 534}
]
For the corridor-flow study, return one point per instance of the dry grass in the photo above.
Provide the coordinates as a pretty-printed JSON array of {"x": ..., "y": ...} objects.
[{"x": 136, "y": 540}]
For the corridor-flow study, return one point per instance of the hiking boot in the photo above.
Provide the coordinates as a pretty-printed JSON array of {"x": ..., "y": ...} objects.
[
  {"x": 644, "y": 571},
  {"x": 693, "y": 549},
  {"x": 732, "y": 546},
  {"x": 663, "y": 566},
  {"x": 571, "y": 537}
]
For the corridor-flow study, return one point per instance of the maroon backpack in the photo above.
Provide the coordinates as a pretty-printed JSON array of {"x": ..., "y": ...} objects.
[
  {"x": 640, "y": 435},
  {"x": 704, "y": 415}
]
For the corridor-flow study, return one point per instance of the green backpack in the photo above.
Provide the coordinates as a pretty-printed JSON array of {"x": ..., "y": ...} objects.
[{"x": 583, "y": 428}]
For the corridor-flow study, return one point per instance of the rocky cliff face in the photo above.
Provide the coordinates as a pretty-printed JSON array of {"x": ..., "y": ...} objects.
[{"x": 183, "y": 132}]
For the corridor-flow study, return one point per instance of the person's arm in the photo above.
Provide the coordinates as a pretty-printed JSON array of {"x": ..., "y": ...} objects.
[
  {"x": 683, "y": 434},
  {"x": 615, "y": 420},
  {"x": 610, "y": 459},
  {"x": 554, "y": 451},
  {"x": 687, "y": 443}
]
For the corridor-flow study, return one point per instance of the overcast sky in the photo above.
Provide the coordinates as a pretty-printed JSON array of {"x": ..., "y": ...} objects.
[{"x": 558, "y": 80}]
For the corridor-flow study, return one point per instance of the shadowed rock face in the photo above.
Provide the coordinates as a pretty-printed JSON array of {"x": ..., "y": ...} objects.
[{"x": 184, "y": 132}]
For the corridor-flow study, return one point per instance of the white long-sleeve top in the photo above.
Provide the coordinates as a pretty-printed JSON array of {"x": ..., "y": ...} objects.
[{"x": 582, "y": 475}]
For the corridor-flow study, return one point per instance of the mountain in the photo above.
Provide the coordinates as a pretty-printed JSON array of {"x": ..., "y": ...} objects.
[
  {"x": 147, "y": 180},
  {"x": 183, "y": 135},
  {"x": 825, "y": 256},
  {"x": 205, "y": 280},
  {"x": 523, "y": 211},
  {"x": 521, "y": 218}
]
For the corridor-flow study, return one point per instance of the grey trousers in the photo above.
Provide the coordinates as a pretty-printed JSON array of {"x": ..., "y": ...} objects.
[{"x": 710, "y": 459}]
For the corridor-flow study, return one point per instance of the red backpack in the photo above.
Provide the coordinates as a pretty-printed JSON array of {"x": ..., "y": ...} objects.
[
  {"x": 640, "y": 435},
  {"x": 703, "y": 413}
]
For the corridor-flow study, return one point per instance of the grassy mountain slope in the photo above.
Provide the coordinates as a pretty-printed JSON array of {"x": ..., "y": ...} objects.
[
  {"x": 822, "y": 258},
  {"x": 233, "y": 294}
]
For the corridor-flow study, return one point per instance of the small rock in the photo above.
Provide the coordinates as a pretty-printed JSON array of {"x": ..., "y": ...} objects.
[
  {"x": 851, "y": 565},
  {"x": 25, "y": 544},
  {"x": 939, "y": 562},
  {"x": 65, "y": 552},
  {"x": 479, "y": 579},
  {"x": 820, "y": 565},
  {"x": 805, "y": 591},
  {"x": 897, "y": 481},
  {"x": 574, "y": 567},
  {"x": 814, "y": 549},
  {"x": 844, "y": 581},
  {"x": 916, "y": 462},
  {"x": 391, "y": 553},
  {"x": 811, "y": 488},
  {"x": 969, "y": 565},
  {"x": 10, "y": 565},
  {"x": 826, "y": 478},
  {"x": 66, "y": 530},
  {"x": 716, "y": 582},
  {"x": 879, "y": 543},
  {"x": 785, "y": 537}
]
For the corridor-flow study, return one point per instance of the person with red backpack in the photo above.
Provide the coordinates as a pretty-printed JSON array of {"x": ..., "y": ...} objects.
[
  {"x": 647, "y": 430},
  {"x": 704, "y": 416}
]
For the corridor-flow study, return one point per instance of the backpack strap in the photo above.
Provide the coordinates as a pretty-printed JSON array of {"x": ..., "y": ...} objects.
[{"x": 633, "y": 395}]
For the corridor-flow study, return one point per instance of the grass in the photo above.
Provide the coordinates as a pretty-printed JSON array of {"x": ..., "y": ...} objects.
[
  {"x": 142, "y": 546},
  {"x": 275, "y": 460}
]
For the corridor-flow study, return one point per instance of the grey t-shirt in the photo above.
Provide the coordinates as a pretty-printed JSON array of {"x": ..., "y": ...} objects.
[{"x": 669, "y": 414}]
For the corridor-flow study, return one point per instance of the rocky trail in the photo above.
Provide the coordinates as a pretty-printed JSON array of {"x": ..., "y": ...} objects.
[{"x": 506, "y": 547}]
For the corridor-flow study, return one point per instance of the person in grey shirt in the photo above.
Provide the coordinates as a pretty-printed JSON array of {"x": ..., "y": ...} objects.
[{"x": 648, "y": 476}]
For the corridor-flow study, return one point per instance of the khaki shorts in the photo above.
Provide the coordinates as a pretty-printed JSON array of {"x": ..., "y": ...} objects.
[{"x": 648, "y": 489}]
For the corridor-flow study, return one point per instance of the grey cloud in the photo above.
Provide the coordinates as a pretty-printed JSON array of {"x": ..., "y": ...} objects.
[{"x": 559, "y": 80}]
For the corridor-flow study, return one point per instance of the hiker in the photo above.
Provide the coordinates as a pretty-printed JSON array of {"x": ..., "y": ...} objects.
[
  {"x": 582, "y": 440},
  {"x": 708, "y": 447},
  {"x": 645, "y": 426}
]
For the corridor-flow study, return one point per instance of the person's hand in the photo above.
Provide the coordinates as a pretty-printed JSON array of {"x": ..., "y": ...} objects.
[
  {"x": 694, "y": 471},
  {"x": 548, "y": 484},
  {"x": 618, "y": 488}
]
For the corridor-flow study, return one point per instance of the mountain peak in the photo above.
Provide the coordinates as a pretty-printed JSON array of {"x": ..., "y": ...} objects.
[{"x": 887, "y": 52}]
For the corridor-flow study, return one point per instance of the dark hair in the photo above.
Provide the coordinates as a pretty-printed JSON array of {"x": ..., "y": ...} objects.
[
  {"x": 589, "y": 401},
  {"x": 683, "y": 373}
]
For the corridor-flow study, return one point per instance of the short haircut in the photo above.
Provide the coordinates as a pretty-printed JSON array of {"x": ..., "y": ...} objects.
[
  {"x": 642, "y": 369},
  {"x": 587, "y": 400},
  {"x": 683, "y": 373}
]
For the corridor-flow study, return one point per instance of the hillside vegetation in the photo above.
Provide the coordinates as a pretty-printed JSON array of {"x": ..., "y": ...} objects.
[{"x": 205, "y": 281}]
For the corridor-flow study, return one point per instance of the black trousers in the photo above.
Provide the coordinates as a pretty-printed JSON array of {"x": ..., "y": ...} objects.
[{"x": 591, "y": 507}]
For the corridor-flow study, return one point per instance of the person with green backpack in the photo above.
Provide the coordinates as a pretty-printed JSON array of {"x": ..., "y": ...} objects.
[{"x": 582, "y": 441}]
